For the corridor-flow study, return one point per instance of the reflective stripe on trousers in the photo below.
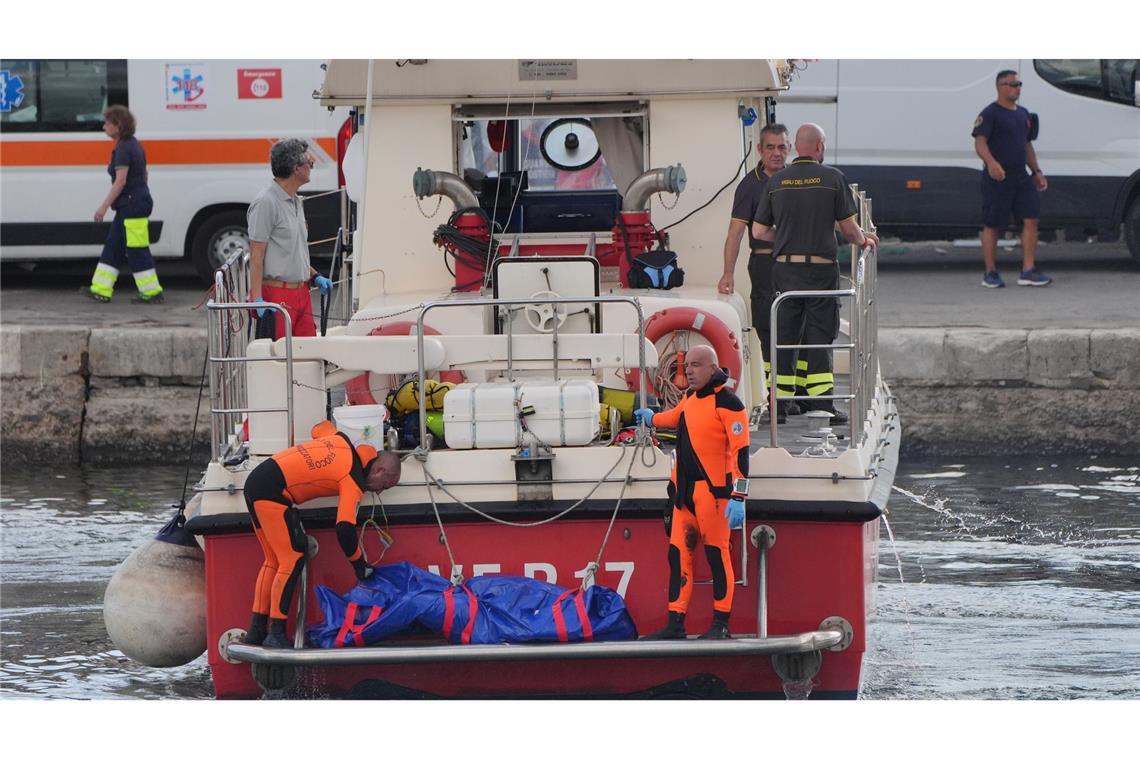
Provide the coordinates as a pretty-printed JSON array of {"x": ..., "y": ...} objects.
[{"x": 103, "y": 281}]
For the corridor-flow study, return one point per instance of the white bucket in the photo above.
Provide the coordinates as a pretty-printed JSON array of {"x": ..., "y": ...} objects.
[{"x": 362, "y": 423}]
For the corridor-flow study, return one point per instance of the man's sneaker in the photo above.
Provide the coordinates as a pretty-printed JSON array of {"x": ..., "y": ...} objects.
[
  {"x": 795, "y": 408},
  {"x": 93, "y": 295},
  {"x": 992, "y": 280},
  {"x": 1034, "y": 277},
  {"x": 157, "y": 298}
]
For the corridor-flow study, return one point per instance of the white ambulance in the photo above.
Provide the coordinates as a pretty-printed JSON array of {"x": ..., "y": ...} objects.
[
  {"x": 901, "y": 130},
  {"x": 207, "y": 127}
]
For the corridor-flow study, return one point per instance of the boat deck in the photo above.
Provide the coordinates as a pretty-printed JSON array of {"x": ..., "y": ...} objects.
[{"x": 801, "y": 432}]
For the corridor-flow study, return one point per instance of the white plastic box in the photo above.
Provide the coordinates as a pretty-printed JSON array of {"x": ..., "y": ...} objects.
[{"x": 486, "y": 415}]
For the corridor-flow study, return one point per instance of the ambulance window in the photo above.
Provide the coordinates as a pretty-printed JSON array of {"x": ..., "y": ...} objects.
[
  {"x": 1103, "y": 79},
  {"x": 59, "y": 95},
  {"x": 17, "y": 93}
]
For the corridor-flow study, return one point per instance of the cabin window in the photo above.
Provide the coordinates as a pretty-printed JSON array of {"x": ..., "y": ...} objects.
[
  {"x": 1101, "y": 78},
  {"x": 551, "y": 172}
]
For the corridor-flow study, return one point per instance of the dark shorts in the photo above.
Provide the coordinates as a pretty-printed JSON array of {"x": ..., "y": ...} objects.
[{"x": 1015, "y": 195}]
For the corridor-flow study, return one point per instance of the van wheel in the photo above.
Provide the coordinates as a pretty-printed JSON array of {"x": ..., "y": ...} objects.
[
  {"x": 1132, "y": 229},
  {"x": 215, "y": 241}
]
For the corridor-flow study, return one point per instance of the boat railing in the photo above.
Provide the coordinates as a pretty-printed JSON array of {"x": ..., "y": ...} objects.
[
  {"x": 228, "y": 335},
  {"x": 507, "y": 302},
  {"x": 863, "y": 334}
]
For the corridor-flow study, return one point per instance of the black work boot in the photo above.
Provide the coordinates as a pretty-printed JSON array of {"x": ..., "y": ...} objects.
[
  {"x": 256, "y": 633},
  {"x": 276, "y": 638},
  {"x": 674, "y": 629},
  {"x": 719, "y": 627}
]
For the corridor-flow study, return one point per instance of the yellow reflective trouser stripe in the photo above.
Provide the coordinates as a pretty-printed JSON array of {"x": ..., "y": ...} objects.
[
  {"x": 103, "y": 281},
  {"x": 801, "y": 370},
  {"x": 138, "y": 232},
  {"x": 785, "y": 385},
  {"x": 820, "y": 383},
  {"x": 147, "y": 283}
]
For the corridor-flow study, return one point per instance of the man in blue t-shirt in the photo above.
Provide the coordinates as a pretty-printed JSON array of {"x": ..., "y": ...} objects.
[{"x": 1003, "y": 138}]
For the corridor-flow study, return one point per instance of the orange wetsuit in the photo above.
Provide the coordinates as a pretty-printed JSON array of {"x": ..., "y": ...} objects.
[
  {"x": 712, "y": 451},
  {"x": 329, "y": 465}
]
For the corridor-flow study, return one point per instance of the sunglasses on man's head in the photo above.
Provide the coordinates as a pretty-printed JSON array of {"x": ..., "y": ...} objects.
[{"x": 1012, "y": 84}]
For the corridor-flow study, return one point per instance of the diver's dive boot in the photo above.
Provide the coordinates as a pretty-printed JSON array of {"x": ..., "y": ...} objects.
[
  {"x": 276, "y": 638},
  {"x": 719, "y": 627},
  {"x": 256, "y": 633},
  {"x": 674, "y": 629}
]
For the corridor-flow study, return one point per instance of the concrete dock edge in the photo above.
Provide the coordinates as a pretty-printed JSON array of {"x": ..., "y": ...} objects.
[{"x": 124, "y": 395}]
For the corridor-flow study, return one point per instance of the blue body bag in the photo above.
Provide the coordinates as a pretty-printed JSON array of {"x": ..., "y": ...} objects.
[{"x": 491, "y": 609}]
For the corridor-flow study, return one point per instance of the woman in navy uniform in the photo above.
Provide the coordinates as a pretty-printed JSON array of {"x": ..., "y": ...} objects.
[{"x": 128, "y": 242}]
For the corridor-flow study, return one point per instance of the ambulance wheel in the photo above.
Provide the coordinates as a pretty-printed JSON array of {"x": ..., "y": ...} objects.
[
  {"x": 1132, "y": 229},
  {"x": 215, "y": 240}
]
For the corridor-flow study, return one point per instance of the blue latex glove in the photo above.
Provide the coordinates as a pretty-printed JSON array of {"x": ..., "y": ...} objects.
[
  {"x": 324, "y": 283},
  {"x": 644, "y": 415},
  {"x": 735, "y": 513},
  {"x": 261, "y": 311}
]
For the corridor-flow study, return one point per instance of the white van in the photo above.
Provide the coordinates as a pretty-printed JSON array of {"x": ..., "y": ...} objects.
[
  {"x": 207, "y": 127},
  {"x": 901, "y": 130}
]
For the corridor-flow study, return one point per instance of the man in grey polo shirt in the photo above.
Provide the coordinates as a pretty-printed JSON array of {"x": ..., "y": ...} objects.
[{"x": 279, "y": 241}]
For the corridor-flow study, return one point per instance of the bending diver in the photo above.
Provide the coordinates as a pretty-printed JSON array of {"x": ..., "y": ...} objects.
[{"x": 329, "y": 465}]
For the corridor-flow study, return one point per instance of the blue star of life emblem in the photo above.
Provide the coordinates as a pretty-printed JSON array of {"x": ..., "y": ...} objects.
[{"x": 11, "y": 91}]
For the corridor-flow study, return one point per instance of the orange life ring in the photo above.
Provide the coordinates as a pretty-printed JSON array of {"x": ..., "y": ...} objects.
[
  {"x": 358, "y": 390},
  {"x": 714, "y": 330}
]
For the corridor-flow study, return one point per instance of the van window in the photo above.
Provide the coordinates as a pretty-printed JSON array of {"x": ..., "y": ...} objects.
[
  {"x": 59, "y": 95},
  {"x": 1101, "y": 78}
]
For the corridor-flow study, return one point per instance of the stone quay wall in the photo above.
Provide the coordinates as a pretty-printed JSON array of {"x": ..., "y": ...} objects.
[{"x": 125, "y": 395}]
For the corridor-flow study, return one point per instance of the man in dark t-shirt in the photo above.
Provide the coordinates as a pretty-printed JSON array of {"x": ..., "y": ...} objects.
[
  {"x": 804, "y": 202},
  {"x": 1003, "y": 139},
  {"x": 773, "y": 149}
]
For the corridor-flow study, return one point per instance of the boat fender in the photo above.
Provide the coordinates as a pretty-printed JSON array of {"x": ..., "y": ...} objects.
[
  {"x": 154, "y": 607},
  {"x": 359, "y": 390},
  {"x": 712, "y": 329}
]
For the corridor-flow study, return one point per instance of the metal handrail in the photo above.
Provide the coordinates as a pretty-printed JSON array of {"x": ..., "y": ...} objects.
[
  {"x": 227, "y": 357},
  {"x": 749, "y": 646},
  {"x": 636, "y": 303},
  {"x": 863, "y": 347}
]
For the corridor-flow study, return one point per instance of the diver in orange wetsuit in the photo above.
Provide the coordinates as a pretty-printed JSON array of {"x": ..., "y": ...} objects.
[
  {"x": 707, "y": 487},
  {"x": 329, "y": 465}
]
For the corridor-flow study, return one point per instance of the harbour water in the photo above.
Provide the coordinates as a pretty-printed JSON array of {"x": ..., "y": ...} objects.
[{"x": 1013, "y": 579}]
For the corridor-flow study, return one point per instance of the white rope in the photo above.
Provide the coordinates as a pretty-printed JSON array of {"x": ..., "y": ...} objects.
[
  {"x": 456, "y": 576},
  {"x": 592, "y": 568},
  {"x": 435, "y": 481}
]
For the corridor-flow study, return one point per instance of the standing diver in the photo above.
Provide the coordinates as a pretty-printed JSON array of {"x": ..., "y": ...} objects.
[
  {"x": 707, "y": 487},
  {"x": 329, "y": 465}
]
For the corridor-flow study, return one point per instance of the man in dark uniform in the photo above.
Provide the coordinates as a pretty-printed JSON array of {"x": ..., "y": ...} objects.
[
  {"x": 1003, "y": 139},
  {"x": 773, "y": 149},
  {"x": 707, "y": 487},
  {"x": 804, "y": 202}
]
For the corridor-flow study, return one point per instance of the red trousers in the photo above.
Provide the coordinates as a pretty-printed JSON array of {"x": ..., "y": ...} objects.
[{"x": 299, "y": 305}]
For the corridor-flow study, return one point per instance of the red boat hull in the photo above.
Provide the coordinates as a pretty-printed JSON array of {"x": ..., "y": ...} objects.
[{"x": 816, "y": 570}]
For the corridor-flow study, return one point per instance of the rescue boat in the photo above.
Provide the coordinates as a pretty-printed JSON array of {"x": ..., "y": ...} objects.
[{"x": 551, "y": 297}]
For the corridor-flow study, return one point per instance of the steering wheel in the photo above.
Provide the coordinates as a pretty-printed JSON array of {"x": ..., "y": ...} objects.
[{"x": 540, "y": 315}]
